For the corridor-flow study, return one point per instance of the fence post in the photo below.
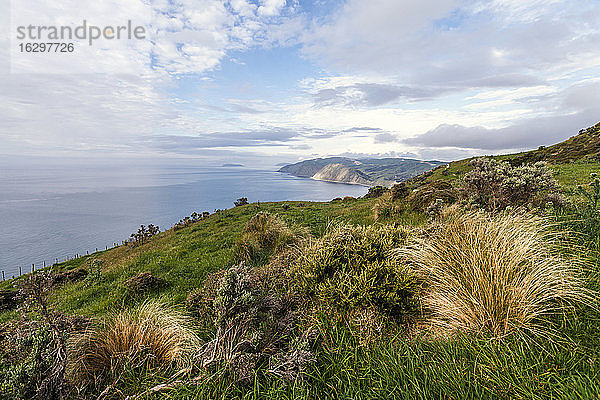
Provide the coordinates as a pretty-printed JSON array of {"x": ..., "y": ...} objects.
[
  {"x": 20, "y": 273},
  {"x": 32, "y": 268},
  {"x": 44, "y": 263},
  {"x": 2, "y": 275}
]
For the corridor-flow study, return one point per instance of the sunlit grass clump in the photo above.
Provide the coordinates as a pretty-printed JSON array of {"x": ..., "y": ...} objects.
[
  {"x": 494, "y": 275},
  {"x": 151, "y": 337},
  {"x": 265, "y": 234}
]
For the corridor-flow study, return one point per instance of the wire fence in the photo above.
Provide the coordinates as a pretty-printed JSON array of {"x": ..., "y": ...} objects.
[{"x": 23, "y": 270}]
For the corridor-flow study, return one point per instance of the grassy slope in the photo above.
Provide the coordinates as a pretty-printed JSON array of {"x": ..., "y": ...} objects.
[
  {"x": 395, "y": 367},
  {"x": 185, "y": 257},
  {"x": 572, "y": 160}
]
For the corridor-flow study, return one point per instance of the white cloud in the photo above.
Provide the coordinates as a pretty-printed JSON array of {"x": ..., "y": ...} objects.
[{"x": 271, "y": 7}]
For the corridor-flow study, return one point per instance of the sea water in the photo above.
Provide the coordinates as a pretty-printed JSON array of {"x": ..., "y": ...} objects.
[{"x": 49, "y": 212}]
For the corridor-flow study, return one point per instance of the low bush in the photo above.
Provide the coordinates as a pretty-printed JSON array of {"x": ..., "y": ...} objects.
[
  {"x": 143, "y": 283},
  {"x": 33, "y": 348},
  {"x": 254, "y": 328},
  {"x": 401, "y": 199},
  {"x": 150, "y": 338},
  {"x": 495, "y": 185},
  {"x": 351, "y": 267},
  {"x": 242, "y": 201},
  {"x": 493, "y": 275},
  {"x": 375, "y": 191}
]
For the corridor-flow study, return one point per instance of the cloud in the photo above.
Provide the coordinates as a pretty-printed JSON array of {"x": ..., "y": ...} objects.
[
  {"x": 187, "y": 144},
  {"x": 526, "y": 134},
  {"x": 447, "y": 43},
  {"x": 371, "y": 94},
  {"x": 385, "y": 138},
  {"x": 361, "y": 129},
  {"x": 271, "y": 7}
]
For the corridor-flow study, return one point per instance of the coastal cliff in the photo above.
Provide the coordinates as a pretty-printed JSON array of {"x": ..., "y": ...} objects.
[
  {"x": 342, "y": 174},
  {"x": 367, "y": 171}
]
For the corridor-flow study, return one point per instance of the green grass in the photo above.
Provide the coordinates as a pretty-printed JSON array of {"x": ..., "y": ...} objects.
[
  {"x": 185, "y": 257},
  {"x": 394, "y": 366},
  {"x": 574, "y": 174}
]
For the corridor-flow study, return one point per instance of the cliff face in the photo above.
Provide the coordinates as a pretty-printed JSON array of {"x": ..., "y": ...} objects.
[
  {"x": 365, "y": 171},
  {"x": 308, "y": 168},
  {"x": 341, "y": 173}
]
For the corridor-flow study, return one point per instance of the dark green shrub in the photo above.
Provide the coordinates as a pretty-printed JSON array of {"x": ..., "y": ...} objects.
[
  {"x": 28, "y": 353},
  {"x": 422, "y": 197},
  {"x": 253, "y": 327},
  {"x": 242, "y": 201},
  {"x": 375, "y": 191},
  {"x": 399, "y": 191},
  {"x": 351, "y": 267},
  {"x": 143, "y": 282}
]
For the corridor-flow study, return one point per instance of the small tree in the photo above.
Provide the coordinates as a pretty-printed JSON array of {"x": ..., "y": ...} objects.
[{"x": 242, "y": 201}]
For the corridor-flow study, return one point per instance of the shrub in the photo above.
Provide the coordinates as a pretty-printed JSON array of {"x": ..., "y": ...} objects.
[
  {"x": 28, "y": 354},
  {"x": 130, "y": 343},
  {"x": 242, "y": 201},
  {"x": 493, "y": 274},
  {"x": 401, "y": 199},
  {"x": 421, "y": 198},
  {"x": 264, "y": 235},
  {"x": 33, "y": 349},
  {"x": 495, "y": 185},
  {"x": 72, "y": 275},
  {"x": 8, "y": 300},
  {"x": 399, "y": 191},
  {"x": 351, "y": 267},
  {"x": 143, "y": 282},
  {"x": 375, "y": 191},
  {"x": 254, "y": 327},
  {"x": 144, "y": 234}
]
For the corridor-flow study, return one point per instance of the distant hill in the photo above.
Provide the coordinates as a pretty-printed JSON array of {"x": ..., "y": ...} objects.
[
  {"x": 364, "y": 171},
  {"x": 584, "y": 146}
]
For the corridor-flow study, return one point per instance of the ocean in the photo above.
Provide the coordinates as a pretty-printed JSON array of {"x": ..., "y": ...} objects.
[{"x": 50, "y": 212}]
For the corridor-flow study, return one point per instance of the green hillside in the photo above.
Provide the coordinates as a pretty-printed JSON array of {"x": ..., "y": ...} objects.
[{"x": 331, "y": 300}]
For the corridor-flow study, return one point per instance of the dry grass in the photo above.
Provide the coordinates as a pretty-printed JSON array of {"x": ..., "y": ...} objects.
[
  {"x": 151, "y": 336},
  {"x": 494, "y": 275}
]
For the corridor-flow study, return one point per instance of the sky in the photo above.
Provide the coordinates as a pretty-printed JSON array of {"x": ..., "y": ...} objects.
[{"x": 270, "y": 81}]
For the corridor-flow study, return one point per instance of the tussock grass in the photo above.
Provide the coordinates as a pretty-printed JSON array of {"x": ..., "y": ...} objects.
[
  {"x": 494, "y": 274},
  {"x": 151, "y": 336},
  {"x": 265, "y": 234}
]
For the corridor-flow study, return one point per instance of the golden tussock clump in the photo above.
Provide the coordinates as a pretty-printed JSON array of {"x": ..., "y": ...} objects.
[
  {"x": 494, "y": 274},
  {"x": 151, "y": 336}
]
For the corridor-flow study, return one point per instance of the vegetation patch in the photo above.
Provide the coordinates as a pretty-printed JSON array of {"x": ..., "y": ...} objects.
[
  {"x": 143, "y": 283},
  {"x": 148, "y": 339},
  {"x": 352, "y": 267},
  {"x": 264, "y": 235},
  {"x": 494, "y": 275}
]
